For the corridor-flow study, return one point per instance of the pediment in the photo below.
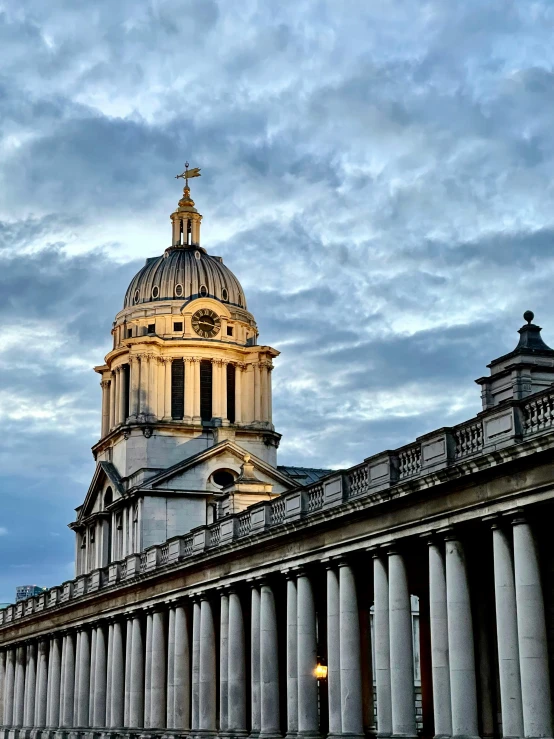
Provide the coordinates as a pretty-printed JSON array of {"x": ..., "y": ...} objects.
[
  {"x": 105, "y": 476},
  {"x": 194, "y": 474}
]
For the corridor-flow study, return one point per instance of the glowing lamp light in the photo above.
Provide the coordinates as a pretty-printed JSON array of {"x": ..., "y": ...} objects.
[{"x": 321, "y": 671}]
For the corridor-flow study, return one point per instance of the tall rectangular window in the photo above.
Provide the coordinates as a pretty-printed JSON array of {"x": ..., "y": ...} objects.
[
  {"x": 206, "y": 390},
  {"x": 177, "y": 389},
  {"x": 231, "y": 392}
]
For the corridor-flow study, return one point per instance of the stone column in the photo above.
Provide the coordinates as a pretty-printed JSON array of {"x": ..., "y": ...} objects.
[
  {"x": 248, "y": 394},
  {"x": 83, "y": 686},
  {"x": 109, "y": 672},
  {"x": 255, "y": 658},
  {"x": 112, "y": 400},
  {"x": 263, "y": 391},
  {"x": 136, "y": 686},
  {"x": 238, "y": 392},
  {"x": 158, "y": 685},
  {"x": 236, "y": 668},
  {"x": 19, "y": 693},
  {"x": 216, "y": 388},
  {"x": 9, "y": 687},
  {"x": 506, "y": 630},
  {"x": 105, "y": 385},
  {"x": 117, "y": 412},
  {"x": 533, "y": 651},
  {"x": 460, "y": 640},
  {"x": 308, "y": 723},
  {"x": 195, "y": 693},
  {"x": 292, "y": 656},
  {"x": 76, "y": 679},
  {"x": 269, "y": 669},
  {"x": 30, "y": 685},
  {"x": 117, "y": 696},
  {"x": 122, "y": 394},
  {"x": 69, "y": 680},
  {"x": 153, "y": 386},
  {"x": 170, "y": 697},
  {"x": 401, "y": 648},
  {"x": 196, "y": 418},
  {"x": 439, "y": 642},
  {"x": 207, "y": 672},
  {"x": 333, "y": 652},
  {"x": 167, "y": 361},
  {"x": 269, "y": 392},
  {"x": 148, "y": 673},
  {"x": 224, "y": 663},
  {"x": 3, "y": 654},
  {"x": 350, "y": 660},
  {"x": 257, "y": 393},
  {"x": 134, "y": 402},
  {"x": 42, "y": 685},
  {"x": 92, "y": 676},
  {"x": 382, "y": 645},
  {"x": 54, "y": 675},
  {"x": 189, "y": 389},
  {"x": 100, "y": 679},
  {"x": 223, "y": 391},
  {"x": 181, "y": 670}
]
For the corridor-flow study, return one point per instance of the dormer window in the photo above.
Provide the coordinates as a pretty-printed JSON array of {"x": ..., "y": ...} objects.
[
  {"x": 136, "y": 296},
  {"x": 178, "y": 290},
  {"x": 203, "y": 291},
  {"x": 224, "y": 294},
  {"x": 155, "y": 292}
]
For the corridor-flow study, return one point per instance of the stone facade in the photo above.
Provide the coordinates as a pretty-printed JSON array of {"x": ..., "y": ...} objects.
[{"x": 291, "y": 612}]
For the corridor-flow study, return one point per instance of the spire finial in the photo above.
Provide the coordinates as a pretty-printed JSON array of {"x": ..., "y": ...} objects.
[
  {"x": 188, "y": 174},
  {"x": 528, "y": 316}
]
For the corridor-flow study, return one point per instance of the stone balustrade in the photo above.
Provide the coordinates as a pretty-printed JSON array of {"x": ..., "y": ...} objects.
[{"x": 377, "y": 479}]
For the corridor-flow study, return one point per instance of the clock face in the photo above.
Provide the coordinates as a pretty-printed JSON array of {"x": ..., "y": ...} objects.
[{"x": 206, "y": 323}]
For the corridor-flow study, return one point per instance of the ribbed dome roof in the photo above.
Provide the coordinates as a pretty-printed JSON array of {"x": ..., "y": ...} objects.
[{"x": 184, "y": 273}]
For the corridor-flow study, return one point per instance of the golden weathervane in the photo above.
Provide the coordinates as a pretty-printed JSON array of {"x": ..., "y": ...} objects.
[{"x": 188, "y": 174}]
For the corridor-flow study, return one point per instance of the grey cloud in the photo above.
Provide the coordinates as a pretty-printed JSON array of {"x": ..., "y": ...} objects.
[{"x": 378, "y": 177}]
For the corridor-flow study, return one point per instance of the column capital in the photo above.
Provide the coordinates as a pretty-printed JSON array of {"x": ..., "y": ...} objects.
[
  {"x": 517, "y": 516},
  {"x": 166, "y": 359},
  {"x": 104, "y": 384},
  {"x": 133, "y": 359}
]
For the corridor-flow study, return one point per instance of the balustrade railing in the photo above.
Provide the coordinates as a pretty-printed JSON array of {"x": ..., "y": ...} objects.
[
  {"x": 409, "y": 461},
  {"x": 358, "y": 481},
  {"x": 143, "y": 560},
  {"x": 215, "y": 534},
  {"x": 315, "y": 498},
  {"x": 244, "y": 523},
  {"x": 536, "y": 413},
  {"x": 468, "y": 439},
  {"x": 278, "y": 508}
]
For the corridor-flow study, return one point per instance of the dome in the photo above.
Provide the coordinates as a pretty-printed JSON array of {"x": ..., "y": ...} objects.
[{"x": 184, "y": 273}]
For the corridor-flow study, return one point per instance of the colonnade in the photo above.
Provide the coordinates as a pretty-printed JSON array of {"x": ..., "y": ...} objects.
[
  {"x": 241, "y": 659},
  {"x": 144, "y": 388}
]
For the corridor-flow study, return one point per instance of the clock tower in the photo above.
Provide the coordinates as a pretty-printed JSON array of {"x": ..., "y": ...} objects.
[{"x": 186, "y": 370}]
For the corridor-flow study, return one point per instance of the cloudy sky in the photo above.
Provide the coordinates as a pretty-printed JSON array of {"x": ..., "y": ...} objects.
[{"x": 377, "y": 174}]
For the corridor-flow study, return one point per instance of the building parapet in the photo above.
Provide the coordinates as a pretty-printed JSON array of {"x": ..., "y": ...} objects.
[{"x": 432, "y": 458}]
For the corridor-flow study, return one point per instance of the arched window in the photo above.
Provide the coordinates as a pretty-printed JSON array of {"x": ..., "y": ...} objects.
[
  {"x": 108, "y": 497},
  {"x": 206, "y": 390},
  {"x": 223, "y": 477}
]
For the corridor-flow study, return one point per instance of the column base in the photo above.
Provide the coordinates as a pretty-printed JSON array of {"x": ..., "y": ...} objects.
[{"x": 271, "y": 734}]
